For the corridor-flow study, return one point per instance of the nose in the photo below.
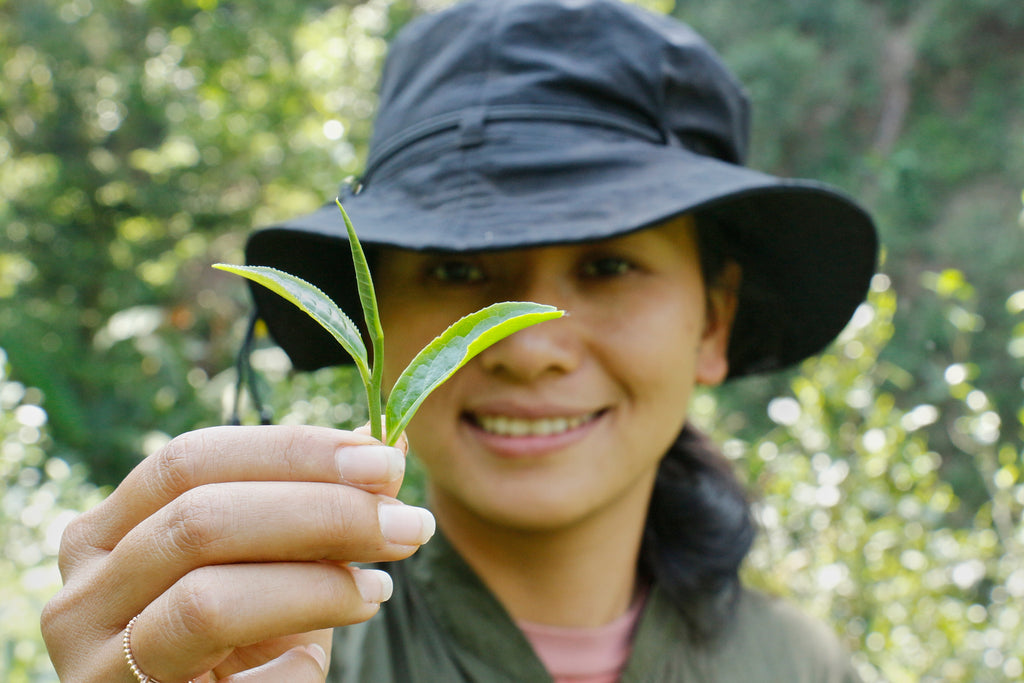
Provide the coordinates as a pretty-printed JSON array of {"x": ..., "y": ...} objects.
[{"x": 551, "y": 348}]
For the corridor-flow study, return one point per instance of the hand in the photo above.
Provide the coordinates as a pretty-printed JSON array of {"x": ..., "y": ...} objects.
[{"x": 233, "y": 545}]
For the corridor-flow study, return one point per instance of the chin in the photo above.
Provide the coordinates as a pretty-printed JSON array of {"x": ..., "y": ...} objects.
[{"x": 540, "y": 509}]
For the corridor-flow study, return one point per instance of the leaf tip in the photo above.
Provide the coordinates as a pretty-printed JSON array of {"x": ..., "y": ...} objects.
[{"x": 348, "y": 225}]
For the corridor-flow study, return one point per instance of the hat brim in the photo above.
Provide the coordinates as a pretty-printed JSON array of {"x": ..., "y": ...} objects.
[{"x": 807, "y": 250}]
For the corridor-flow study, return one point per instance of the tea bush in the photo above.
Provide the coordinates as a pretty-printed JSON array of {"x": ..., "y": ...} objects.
[
  {"x": 39, "y": 494},
  {"x": 860, "y": 528}
]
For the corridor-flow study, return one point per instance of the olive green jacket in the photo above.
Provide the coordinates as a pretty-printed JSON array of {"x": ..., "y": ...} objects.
[{"x": 442, "y": 625}]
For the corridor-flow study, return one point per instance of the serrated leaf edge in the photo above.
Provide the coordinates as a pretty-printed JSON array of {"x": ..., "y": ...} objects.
[
  {"x": 274, "y": 279},
  {"x": 397, "y": 417}
]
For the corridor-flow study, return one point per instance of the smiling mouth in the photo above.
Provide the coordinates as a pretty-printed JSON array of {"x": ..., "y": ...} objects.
[{"x": 503, "y": 425}]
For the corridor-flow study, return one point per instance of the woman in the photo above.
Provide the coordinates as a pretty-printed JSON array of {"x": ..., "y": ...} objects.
[{"x": 582, "y": 153}]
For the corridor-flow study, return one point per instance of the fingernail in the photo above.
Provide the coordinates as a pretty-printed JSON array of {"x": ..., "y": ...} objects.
[
  {"x": 370, "y": 464},
  {"x": 405, "y": 524},
  {"x": 317, "y": 653},
  {"x": 373, "y": 585}
]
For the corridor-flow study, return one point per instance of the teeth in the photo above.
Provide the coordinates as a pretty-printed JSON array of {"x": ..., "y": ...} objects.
[{"x": 515, "y": 426}]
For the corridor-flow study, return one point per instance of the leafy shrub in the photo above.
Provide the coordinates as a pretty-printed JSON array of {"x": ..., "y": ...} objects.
[
  {"x": 40, "y": 494},
  {"x": 860, "y": 528}
]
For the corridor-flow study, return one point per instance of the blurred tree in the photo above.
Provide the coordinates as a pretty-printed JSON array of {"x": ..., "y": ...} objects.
[
  {"x": 139, "y": 141},
  {"x": 916, "y": 109},
  {"x": 859, "y": 526},
  {"x": 39, "y": 494}
]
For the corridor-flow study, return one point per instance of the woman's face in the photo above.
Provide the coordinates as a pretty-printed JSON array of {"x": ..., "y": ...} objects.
[{"x": 571, "y": 416}]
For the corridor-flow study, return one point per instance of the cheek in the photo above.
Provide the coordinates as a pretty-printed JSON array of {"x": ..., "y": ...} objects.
[
  {"x": 411, "y": 321},
  {"x": 406, "y": 332},
  {"x": 664, "y": 372},
  {"x": 396, "y": 358},
  {"x": 655, "y": 353}
]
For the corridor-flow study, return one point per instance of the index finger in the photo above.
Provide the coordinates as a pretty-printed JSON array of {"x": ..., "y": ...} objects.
[{"x": 225, "y": 454}]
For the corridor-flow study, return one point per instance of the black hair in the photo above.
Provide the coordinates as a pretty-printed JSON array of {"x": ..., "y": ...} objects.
[
  {"x": 698, "y": 531},
  {"x": 699, "y": 526}
]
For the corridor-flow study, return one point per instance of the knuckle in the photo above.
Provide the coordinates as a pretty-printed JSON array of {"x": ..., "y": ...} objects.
[
  {"x": 54, "y": 626},
  {"x": 290, "y": 440},
  {"x": 51, "y": 614},
  {"x": 62, "y": 614},
  {"x": 73, "y": 543},
  {"x": 194, "y": 522},
  {"x": 337, "y": 585},
  {"x": 340, "y": 518},
  {"x": 337, "y": 513},
  {"x": 174, "y": 464},
  {"x": 199, "y": 607}
]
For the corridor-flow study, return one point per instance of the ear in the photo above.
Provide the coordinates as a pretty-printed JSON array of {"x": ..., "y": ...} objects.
[{"x": 722, "y": 301}]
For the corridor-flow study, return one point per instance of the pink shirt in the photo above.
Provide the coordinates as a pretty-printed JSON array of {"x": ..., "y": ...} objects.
[{"x": 585, "y": 655}]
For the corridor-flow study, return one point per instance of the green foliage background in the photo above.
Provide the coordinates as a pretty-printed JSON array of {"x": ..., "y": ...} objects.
[{"x": 141, "y": 139}]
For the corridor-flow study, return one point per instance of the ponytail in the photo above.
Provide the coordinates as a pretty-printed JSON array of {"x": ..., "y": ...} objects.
[{"x": 699, "y": 529}]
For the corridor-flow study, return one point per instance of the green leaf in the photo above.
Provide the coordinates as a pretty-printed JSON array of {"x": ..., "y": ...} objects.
[
  {"x": 367, "y": 295},
  {"x": 368, "y": 298},
  {"x": 454, "y": 348},
  {"x": 429, "y": 369},
  {"x": 314, "y": 303}
]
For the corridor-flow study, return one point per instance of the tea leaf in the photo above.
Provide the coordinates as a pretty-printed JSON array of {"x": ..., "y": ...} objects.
[
  {"x": 452, "y": 349},
  {"x": 368, "y": 298},
  {"x": 438, "y": 361},
  {"x": 367, "y": 295},
  {"x": 314, "y": 303}
]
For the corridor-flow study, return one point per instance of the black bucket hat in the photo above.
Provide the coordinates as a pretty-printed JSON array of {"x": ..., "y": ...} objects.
[{"x": 517, "y": 123}]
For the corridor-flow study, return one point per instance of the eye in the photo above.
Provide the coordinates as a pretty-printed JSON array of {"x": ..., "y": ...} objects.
[
  {"x": 456, "y": 272},
  {"x": 607, "y": 266}
]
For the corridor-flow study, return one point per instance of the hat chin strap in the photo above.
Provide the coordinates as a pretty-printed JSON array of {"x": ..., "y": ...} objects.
[{"x": 245, "y": 378}]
